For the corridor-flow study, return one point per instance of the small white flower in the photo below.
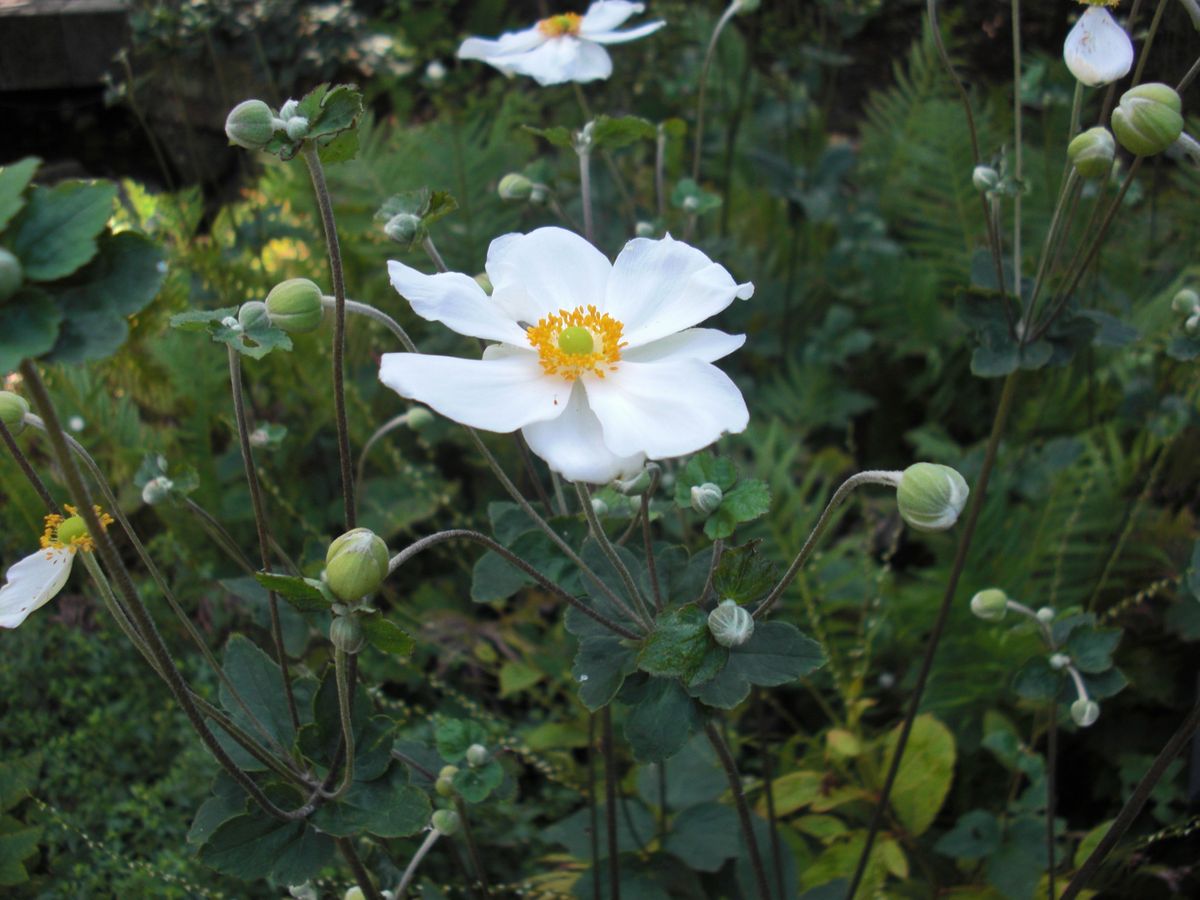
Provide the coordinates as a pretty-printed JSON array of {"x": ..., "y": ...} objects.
[
  {"x": 1097, "y": 50},
  {"x": 598, "y": 364},
  {"x": 562, "y": 48}
]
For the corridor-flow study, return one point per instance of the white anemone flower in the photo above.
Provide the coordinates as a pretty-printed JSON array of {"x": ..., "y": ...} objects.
[
  {"x": 598, "y": 364},
  {"x": 33, "y": 581},
  {"x": 562, "y": 48},
  {"x": 1097, "y": 50}
]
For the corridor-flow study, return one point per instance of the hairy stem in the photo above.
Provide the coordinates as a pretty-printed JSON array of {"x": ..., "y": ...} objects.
[
  {"x": 702, "y": 91},
  {"x": 27, "y": 470},
  {"x": 743, "y": 809},
  {"x": 614, "y": 558},
  {"x": 608, "y": 751},
  {"x": 472, "y": 848},
  {"x": 361, "y": 877}
]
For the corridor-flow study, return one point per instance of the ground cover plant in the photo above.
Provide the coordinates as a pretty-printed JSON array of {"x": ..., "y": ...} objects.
[{"x": 646, "y": 452}]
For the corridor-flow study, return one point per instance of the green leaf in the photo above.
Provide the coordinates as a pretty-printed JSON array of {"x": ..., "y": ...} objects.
[
  {"x": 558, "y": 135},
  {"x": 342, "y": 148},
  {"x": 1091, "y": 649},
  {"x": 702, "y": 468},
  {"x": 612, "y": 134},
  {"x": 18, "y": 842},
  {"x": 387, "y": 807},
  {"x": 925, "y": 773},
  {"x": 258, "y": 681},
  {"x": 30, "y": 323},
  {"x": 746, "y": 502},
  {"x": 373, "y": 735},
  {"x": 201, "y": 319},
  {"x": 600, "y": 667},
  {"x": 55, "y": 234},
  {"x": 635, "y": 828},
  {"x": 690, "y": 197},
  {"x": 476, "y": 783},
  {"x": 304, "y": 594},
  {"x": 693, "y": 776},
  {"x": 517, "y": 677},
  {"x": 1038, "y": 680},
  {"x": 254, "y": 845},
  {"x": 662, "y": 719},
  {"x": 454, "y": 736},
  {"x": 340, "y": 106},
  {"x": 700, "y": 836},
  {"x": 678, "y": 645},
  {"x": 14, "y": 178},
  {"x": 975, "y": 835},
  {"x": 386, "y": 636},
  {"x": 775, "y": 654},
  {"x": 17, "y": 779},
  {"x": 744, "y": 574},
  {"x": 254, "y": 342}
]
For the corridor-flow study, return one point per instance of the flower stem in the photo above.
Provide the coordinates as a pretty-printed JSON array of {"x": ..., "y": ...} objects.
[
  {"x": 409, "y": 873},
  {"x": 361, "y": 877},
  {"x": 764, "y": 747},
  {"x": 1018, "y": 151},
  {"x": 472, "y": 848},
  {"x": 743, "y": 809},
  {"x": 431, "y": 251},
  {"x": 1051, "y": 765},
  {"x": 345, "y": 695},
  {"x": 702, "y": 90},
  {"x": 610, "y": 803},
  {"x": 593, "y": 806},
  {"x": 27, "y": 469},
  {"x": 613, "y": 556},
  {"x": 585, "y": 193},
  {"x": 377, "y": 315},
  {"x": 339, "y": 327}
]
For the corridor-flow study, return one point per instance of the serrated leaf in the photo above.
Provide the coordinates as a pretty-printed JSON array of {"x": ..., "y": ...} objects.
[
  {"x": 600, "y": 667},
  {"x": 342, "y": 148},
  {"x": 975, "y": 835},
  {"x": 925, "y": 773},
  {"x": 744, "y": 574},
  {"x": 662, "y": 719},
  {"x": 615, "y": 133},
  {"x": 558, "y": 135},
  {"x": 201, "y": 319},
  {"x": 387, "y": 807},
  {"x": 339, "y": 107},
  {"x": 304, "y": 594},
  {"x": 677, "y": 646},
  {"x": 260, "y": 684},
  {"x": 55, "y": 234},
  {"x": 476, "y": 783},
  {"x": 454, "y": 736},
  {"x": 30, "y": 323},
  {"x": 1038, "y": 680},
  {"x": 18, "y": 842},
  {"x": 386, "y": 636},
  {"x": 254, "y": 342},
  {"x": 1091, "y": 649},
  {"x": 775, "y": 654},
  {"x": 700, "y": 469},
  {"x": 255, "y": 845},
  {"x": 14, "y": 178}
]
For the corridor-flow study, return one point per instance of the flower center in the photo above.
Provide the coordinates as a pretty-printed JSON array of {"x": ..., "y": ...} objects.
[
  {"x": 558, "y": 26},
  {"x": 71, "y": 532},
  {"x": 570, "y": 343}
]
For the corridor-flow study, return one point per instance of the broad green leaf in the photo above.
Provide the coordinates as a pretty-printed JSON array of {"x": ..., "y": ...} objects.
[
  {"x": 744, "y": 574},
  {"x": 475, "y": 783},
  {"x": 386, "y": 807},
  {"x": 305, "y": 594},
  {"x": 662, "y": 719},
  {"x": 558, "y": 135},
  {"x": 454, "y": 736},
  {"x": 213, "y": 813},
  {"x": 1016, "y": 866},
  {"x": 30, "y": 323},
  {"x": 925, "y": 773},
  {"x": 254, "y": 342},
  {"x": 342, "y": 148},
  {"x": 18, "y": 842},
  {"x": 975, "y": 835},
  {"x": 678, "y": 645},
  {"x": 700, "y": 836},
  {"x": 1089, "y": 842},
  {"x": 14, "y": 178},
  {"x": 694, "y": 776},
  {"x": 518, "y": 677},
  {"x": 600, "y": 667},
  {"x": 254, "y": 845},
  {"x": 702, "y": 468},
  {"x": 775, "y": 654},
  {"x": 750, "y": 499},
  {"x": 1038, "y": 680},
  {"x": 17, "y": 778},
  {"x": 339, "y": 107},
  {"x": 258, "y": 681},
  {"x": 55, "y": 234},
  {"x": 793, "y": 791},
  {"x": 1091, "y": 649},
  {"x": 387, "y": 637},
  {"x": 635, "y": 829},
  {"x": 612, "y": 134}
]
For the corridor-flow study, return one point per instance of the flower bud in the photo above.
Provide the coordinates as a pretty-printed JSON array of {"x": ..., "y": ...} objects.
[
  {"x": 514, "y": 186},
  {"x": 1147, "y": 120},
  {"x": 635, "y": 486},
  {"x": 356, "y": 564},
  {"x": 156, "y": 490},
  {"x": 1186, "y": 301},
  {"x": 419, "y": 418},
  {"x": 599, "y": 507},
  {"x": 730, "y": 625},
  {"x": 985, "y": 178},
  {"x": 477, "y": 755},
  {"x": 991, "y": 605},
  {"x": 346, "y": 633},
  {"x": 445, "y": 782},
  {"x": 1059, "y": 661},
  {"x": 296, "y": 127},
  {"x": 1092, "y": 152},
  {"x": 1085, "y": 712},
  {"x": 436, "y": 71},
  {"x": 354, "y": 893},
  {"x": 1045, "y": 615},
  {"x": 931, "y": 496},
  {"x": 12, "y": 411},
  {"x": 445, "y": 822},
  {"x": 11, "y": 274},
  {"x": 706, "y": 498},
  {"x": 295, "y": 306},
  {"x": 691, "y": 203},
  {"x": 1192, "y": 325},
  {"x": 250, "y": 124},
  {"x": 644, "y": 229},
  {"x": 538, "y": 195},
  {"x": 403, "y": 228},
  {"x": 253, "y": 314},
  {"x": 289, "y": 109}
]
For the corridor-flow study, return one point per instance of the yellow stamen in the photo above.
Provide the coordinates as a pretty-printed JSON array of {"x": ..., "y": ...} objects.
[
  {"x": 81, "y": 541},
  {"x": 569, "y": 362},
  {"x": 1113, "y": 3},
  {"x": 558, "y": 26}
]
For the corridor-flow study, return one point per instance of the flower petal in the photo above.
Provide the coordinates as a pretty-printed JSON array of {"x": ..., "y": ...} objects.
[
  {"x": 705, "y": 344},
  {"x": 536, "y": 274},
  {"x": 559, "y": 60},
  {"x": 457, "y": 301},
  {"x": 621, "y": 37},
  {"x": 573, "y": 445},
  {"x": 498, "y": 394},
  {"x": 32, "y": 582},
  {"x": 659, "y": 287},
  {"x": 1097, "y": 50},
  {"x": 605, "y": 15},
  {"x": 665, "y": 408},
  {"x": 507, "y": 44}
]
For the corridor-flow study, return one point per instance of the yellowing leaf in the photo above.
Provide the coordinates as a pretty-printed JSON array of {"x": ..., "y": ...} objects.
[{"x": 925, "y": 773}]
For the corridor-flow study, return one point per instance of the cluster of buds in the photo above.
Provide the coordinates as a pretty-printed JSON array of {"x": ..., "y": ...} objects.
[
  {"x": 1186, "y": 302},
  {"x": 252, "y": 124}
]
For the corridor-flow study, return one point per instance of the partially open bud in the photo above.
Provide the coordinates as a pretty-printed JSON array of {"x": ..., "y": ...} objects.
[
  {"x": 1148, "y": 119},
  {"x": 991, "y": 605},
  {"x": 295, "y": 306},
  {"x": 253, "y": 314},
  {"x": 1085, "y": 712},
  {"x": 514, "y": 186},
  {"x": 1186, "y": 301},
  {"x": 11, "y": 274},
  {"x": 445, "y": 822},
  {"x": 346, "y": 633},
  {"x": 12, "y": 411},
  {"x": 637, "y": 485},
  {"x": 985, "y": 178},
  {"x": 706, "y": 498},
  {"x": 477, "y": 755},
  {"x": 250, "y": 124},
  {"x": 730, "y": 625},
  {"x": 156, "y": 490},
  {"x": 931, "y": 496},
  {"x": 404, "y": 228},
  {"x": 356, "y": 564},
  {"x": 1092, "y": 152},
  {"x": 445, "y": 782}
]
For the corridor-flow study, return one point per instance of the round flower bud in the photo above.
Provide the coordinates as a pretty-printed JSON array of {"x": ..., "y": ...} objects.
[
  {"x": 538, "y": 195},
  {"x": 156, "y": 490},
  {"x": 11, "y": 274},
  {"x": 514, "y": 186},
  {"x": 1092, "y": 152},
  {"x": 1192, "y": 325},
  {"x": 477, "y": 755},
  {"x": 296, "y": 127},
  {"x": 253, "y": 314},
  {"x": 1045, "y": 615},
  {"x": 930, "y": 496},
  {"x": 644, "y": 229},
  {"x": 1059, "y": 661},
  {"x": 1148, "y": 119},
  {"x": 1185, "y": 301},
  {"x": 346, "y": 633},
  {"x": 295, "y": 306},
  {"x": 985, "y": 178},
  {"x": 706, "y": 498},
  {"x": 436, "y": 71},
  {"x": 599, "y": 507},
  {"x": 354, "y": 893},
  {"x": 12, "y": 411},
  {"x": 990, "y": 605},
  {"x": 730, "y": 625},
  {"x": 356, "y": 564},
  {"x": 403, "y": 228},
  {"x": 250, "y": 124},
  {"x": 445, "y": 822},
  {"x": 419, "y": 418},
  {"x": 289, "y": 109},
  {"x": 1085, "y": 712},
  {"x": 445, "y": 782}
]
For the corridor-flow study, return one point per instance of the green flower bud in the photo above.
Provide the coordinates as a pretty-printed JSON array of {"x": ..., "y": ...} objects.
[
  {"x": 1148, "y": 119},
  {"x": 1192, "y": 325},
  {"x": 356, "y": 564},
  {"x": 599, "y": 507},
  {"x": 1059, "y": 661},
  {"x": 156, "y": 490},
  {"x": 12, "y": 411},
  {"x": 295, "y": 306},
  {"x": 1085, "y": 712},
  {"x": 251, "y": 124},
  {"x": 514, "y": 186},
  {"x": 253, "y": 314},
  {"x": 930, "y": 496},
  {"x": 477, "y": 755},
  {"x": 706, "y": 498},
  {"x": 346, "y": 633},
  {"x": 354, "y": 893},
  {"x": 730, "y": 625},
  {"x": 11, "y": 274},
  {"x": 484, "y": 282},
  {"x": 419, "y": 418},
  {"x": 444, "y": 786},
  {"x": 445, "y": 822},
  {"x": 1045, "y": 615},
  {"x": 403, "y": 228},
  {"x": 1185, "y": 301},
  {"x": 296, "y": 127},
  {"x": 1092, "y": 152},
  {"x": 638, "y": 484},
  {"x": 644, "y": 229},
  {"x": 990, "y": 605},
  {"x": 985, "y": 178}
]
